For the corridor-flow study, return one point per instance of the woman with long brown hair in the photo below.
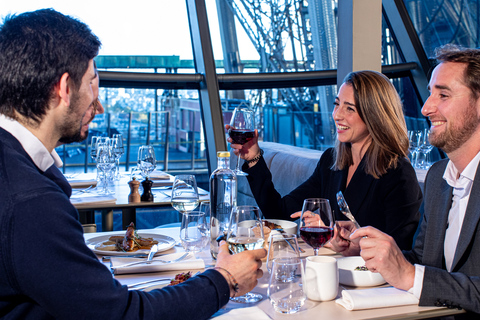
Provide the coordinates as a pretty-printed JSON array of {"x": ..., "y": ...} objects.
[{"x": 368, "y": 164}]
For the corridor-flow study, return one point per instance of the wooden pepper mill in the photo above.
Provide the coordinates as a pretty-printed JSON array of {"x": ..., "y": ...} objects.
[
  {"x": 134, "y": 195},
  {"x": 147, "y": 190}
]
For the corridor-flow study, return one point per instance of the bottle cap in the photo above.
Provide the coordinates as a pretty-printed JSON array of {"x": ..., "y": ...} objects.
[{"x": 223, "y": 154}]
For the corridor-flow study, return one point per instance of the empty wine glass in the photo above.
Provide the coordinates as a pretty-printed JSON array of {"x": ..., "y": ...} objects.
[
  {"x": 118, "y": 151},
  {"x": 316, "y": 223},
  {"x": 146, "y": 160},
  {"x": 423, "y": 151},
  {"x": 105, "y": 163},
  {"x": 242, "y": 126},
  {"x": 287, "y": 296},
  {"x": 245, "y": 232},
  {"x": 93, "y": 148},
  {"x": 184, "y": 193}
]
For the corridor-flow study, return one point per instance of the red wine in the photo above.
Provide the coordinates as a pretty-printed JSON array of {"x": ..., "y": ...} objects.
[
  {"x": 241, "y": 136},
  {"x": 316, "y": 237}
]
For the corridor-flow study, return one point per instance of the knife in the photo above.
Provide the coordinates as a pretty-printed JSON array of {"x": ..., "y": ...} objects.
[{"x": 345, "y": 209}]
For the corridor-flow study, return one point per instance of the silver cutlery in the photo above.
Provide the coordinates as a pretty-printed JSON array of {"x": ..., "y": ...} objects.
[
  {"x": 146, "y": 284},
  {"x": 84, "y": 190},
  {"x": 107, "y": 258},
  {"x": 151, "y": 261},
  {"x": 345, "y": 209}
]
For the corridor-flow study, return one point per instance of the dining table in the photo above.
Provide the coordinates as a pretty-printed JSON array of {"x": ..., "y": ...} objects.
[
  {"x": 310, "y": 309},
  {"x": 86, "y": 199}
]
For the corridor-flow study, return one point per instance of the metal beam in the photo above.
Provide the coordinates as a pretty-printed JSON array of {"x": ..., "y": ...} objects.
[{"x": 210, "y": 104}]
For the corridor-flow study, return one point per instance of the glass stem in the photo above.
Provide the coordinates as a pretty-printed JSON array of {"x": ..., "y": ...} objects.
[
  {"x": 315, "y": 251},
  {"x": 238, "y": 162}
]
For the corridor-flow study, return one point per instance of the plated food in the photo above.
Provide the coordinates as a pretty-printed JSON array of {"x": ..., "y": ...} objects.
[
  {"x": 353, "y": 272},
  {"x": 129, "y": 242}
]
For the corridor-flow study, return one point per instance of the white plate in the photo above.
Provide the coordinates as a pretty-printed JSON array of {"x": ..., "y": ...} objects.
[{"x": 164, "y": 243}]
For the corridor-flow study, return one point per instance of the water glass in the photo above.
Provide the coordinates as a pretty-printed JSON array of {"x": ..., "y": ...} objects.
[
  {"x": 205, "y": 208},
  {"x": 193, "y": 231},
  {"x": 287, "y": 297},
  {"x": 282, "y": 245}
]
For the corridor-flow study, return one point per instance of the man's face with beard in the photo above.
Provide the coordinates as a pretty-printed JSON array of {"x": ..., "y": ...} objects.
[
  {"x": 450, "y": 107},
  {"x": 84, "y": 104}
]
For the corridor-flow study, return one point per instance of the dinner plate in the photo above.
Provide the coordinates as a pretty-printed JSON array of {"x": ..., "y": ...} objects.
[{"x": 164, "y": 243}]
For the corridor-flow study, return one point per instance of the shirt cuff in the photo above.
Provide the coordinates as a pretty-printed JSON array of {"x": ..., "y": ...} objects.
[{"x": 416, "y": 290}]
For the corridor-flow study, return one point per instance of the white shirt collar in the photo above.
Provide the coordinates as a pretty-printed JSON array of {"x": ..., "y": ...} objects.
[
  {"x": 451, "y": 172},
  {"x": 31, "y": 144}
]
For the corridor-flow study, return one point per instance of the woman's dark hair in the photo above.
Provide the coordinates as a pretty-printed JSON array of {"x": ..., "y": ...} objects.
[{"x": 36, "y": 49}]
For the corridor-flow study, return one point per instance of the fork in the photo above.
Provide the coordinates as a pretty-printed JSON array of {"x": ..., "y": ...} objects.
[
  {"x": 345, "y": 209},
  {"x": 151, "y": 261}
]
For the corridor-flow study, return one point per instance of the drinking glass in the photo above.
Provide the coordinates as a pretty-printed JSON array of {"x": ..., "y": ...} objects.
[
  {"x": 319, "y": 228},
  {"x": 118, "y": 150},
  {"x": 282, "y": 245},
  {"x": 242, "y": 126},
  {"x": 184, "y": 193},
  {"x": 193, "y": 231},
  {"x": 424, "y": 149},
  {"x": 93, "y": 148},
  {"x": 105, "y": 163},
  {"x": 205, "y": 208},
  {"x": 245, "y": 232},
  {"x": 287, "y": 296},
  {"x": 146, "y": 160}
]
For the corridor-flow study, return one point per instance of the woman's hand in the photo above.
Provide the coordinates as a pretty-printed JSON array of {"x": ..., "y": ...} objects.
[
  {"x": 341, "y": 239},
  {"x": 249, "y": 150}
]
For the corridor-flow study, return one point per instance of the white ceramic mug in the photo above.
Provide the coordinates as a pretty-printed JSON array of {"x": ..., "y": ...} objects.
[{"x": 321, "y": 278}]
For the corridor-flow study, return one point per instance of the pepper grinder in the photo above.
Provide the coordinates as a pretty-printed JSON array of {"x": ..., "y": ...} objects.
[
  {"x": 134, "y": 195},
  {"x": 147, "y": 190}
]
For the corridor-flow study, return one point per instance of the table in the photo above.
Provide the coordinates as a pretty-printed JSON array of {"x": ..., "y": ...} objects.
[
  {"x": 311, "y": 309},
  {"x": 121, "y": 191}
]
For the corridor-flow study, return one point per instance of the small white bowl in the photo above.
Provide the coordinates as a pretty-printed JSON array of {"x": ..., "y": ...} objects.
[
  {"x": 357, "y": 278},
  {"x": 288, "y": 226}
]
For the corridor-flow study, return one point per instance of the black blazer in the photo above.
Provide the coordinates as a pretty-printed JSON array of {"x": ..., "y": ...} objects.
[
  {"x": 461, "y": 287},
  {"x": 390, "y": 203}
]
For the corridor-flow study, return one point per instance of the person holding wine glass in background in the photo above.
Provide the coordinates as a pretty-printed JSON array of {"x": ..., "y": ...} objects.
[
  {"x": 368, "y": 164},
  {"x": 241, "y": 130}
]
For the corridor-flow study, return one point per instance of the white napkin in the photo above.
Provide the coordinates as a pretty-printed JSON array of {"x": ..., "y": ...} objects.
[
  {"x": 159, "y": 175},
  {"x": 375, "y": 298},
  {"x": 80, "y": 183},
  {"x": 91, "y": 198},
  {"x": 187, "y": 263},
  {"x": 243, "y": 313}
]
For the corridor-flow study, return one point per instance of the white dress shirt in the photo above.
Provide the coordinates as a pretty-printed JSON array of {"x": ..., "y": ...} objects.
[
  {"x": 462, "y": 186},
  {"x": 31, "y": 144}
]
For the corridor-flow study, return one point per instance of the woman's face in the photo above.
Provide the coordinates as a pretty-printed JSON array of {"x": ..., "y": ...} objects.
[{"x": 350, "y": 128}]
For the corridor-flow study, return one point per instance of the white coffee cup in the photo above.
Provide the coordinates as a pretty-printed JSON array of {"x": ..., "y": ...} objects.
[{"x": 321, "y": 278}]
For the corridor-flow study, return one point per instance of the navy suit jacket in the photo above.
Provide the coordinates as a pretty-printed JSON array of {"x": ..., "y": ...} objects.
[
  {"x": 390, "y": 203},
  {"x": 461, "y": 286}
]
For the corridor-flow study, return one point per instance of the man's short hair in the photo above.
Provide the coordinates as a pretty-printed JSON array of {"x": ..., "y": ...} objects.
[
  {"x": 471, "y": 57},
  {"x": 36, "y": 49}
]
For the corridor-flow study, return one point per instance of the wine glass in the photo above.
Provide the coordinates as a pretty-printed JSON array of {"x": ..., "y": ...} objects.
[
  {"x": 316, "y": 223},
  {"x": 93, "y": 148},
  {"x": 184, "y": 193},
  {"x": 241, "y": 131},
  {"x": 146, "y": 160},
  {"x": 245, "y": 232},
  {"x": 424, "y": 149},
  {"x": 118, "y": 150},
  {"x": 105, "y": 163},
  {"x": 193, "y": 231}
]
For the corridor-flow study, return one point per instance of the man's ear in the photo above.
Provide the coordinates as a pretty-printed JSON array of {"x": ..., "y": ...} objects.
[{"x": 64, "y": 89}]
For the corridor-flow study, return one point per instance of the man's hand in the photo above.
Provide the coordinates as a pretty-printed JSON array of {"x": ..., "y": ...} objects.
[
  {"x": 381, "y": 254},
  {"x": 309, "y": 218},
  {"x": 341, "y": 239},
  {"x": 244, "y": 267},
  {"x": 249, "y": 150}
]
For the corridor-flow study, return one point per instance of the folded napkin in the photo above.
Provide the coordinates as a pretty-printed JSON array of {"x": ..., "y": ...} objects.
[
  {"x": 92, "y": 198},
  {"x": 375, "y": 298},
  {"x": 159, "y": 175},
  {"x": 186, "y": 264},
  {"x": 81, "y": 183},
  {"x": 242, "y": 314},
  {"x": 163, "y": 182}
]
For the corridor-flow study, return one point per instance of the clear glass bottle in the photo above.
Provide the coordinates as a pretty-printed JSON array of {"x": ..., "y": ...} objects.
[{"x": 223, "y": 197}]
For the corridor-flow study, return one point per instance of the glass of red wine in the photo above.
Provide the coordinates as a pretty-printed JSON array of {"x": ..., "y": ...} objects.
[
  {"x": 316, "y": 223},
  {"x": 242, "y": 130}
]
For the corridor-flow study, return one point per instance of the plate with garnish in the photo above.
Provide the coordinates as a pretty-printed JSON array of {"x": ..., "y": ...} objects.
[{"x": 353, "y": 272}]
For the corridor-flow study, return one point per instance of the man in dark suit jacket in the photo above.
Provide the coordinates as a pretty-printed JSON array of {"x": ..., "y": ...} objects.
[{"x": 443, "y": 268}]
